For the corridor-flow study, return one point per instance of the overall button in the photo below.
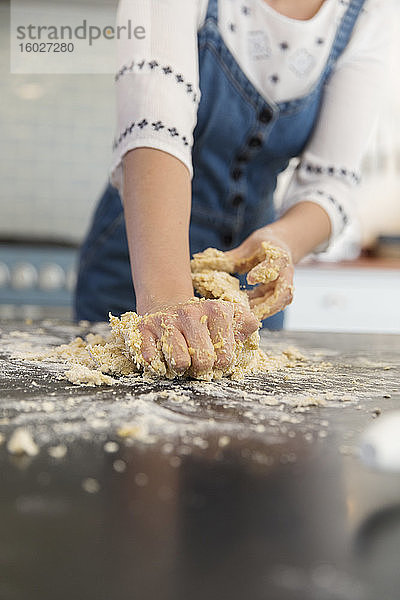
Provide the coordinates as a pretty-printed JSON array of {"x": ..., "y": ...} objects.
[
  {"x": 227, "y": 239},
  {"x": 236, "y": 173},
  {"x": 237, "y": 200},
  {"x": 265, "y": 115},
  {"x": 242, "y": 157},
  {"x": 255, "y": 141}
]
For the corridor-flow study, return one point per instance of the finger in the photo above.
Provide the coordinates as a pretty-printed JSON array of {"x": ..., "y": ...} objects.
[
  {"x": 149, "y": 345},
  {"x": 151, "y": 348},
  {"x": 220, "y": 326},
  {"x": 245, "y": 323},
  {"x": 245, "y": 259},
  {"x": 260, "y": 290},
  {"x": 266, "y": 271},
  {"x": 173, "y": 345},
  {"x": 198, "y": 340},
  {"x": 212, "y": 259},
  {"x": 273, "y": 302},
  {"x": 262, "y": 298},
  {"x": 175, "y": 351}
]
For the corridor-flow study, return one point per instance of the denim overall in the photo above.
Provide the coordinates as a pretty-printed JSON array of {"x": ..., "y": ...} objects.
[{"x": 241, "y": 143}]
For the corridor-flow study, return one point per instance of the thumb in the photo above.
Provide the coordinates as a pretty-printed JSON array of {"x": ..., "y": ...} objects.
[
  {"x": 246, "y": 322},
  {"x": 246, "y": 256}
]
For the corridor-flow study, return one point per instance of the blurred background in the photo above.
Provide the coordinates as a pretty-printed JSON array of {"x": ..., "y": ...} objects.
[{"x": 55, "y": 153}]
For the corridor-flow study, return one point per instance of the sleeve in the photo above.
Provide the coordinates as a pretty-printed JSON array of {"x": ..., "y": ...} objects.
[
  {"x": 329, "y": 167},
  {"x": 157, "y": 80}
]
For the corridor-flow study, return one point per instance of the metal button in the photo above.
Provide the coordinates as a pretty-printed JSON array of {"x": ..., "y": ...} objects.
[
  {"x": 265, "y": 115},
  {"x": 51, "y": 277},
  {"x": 236, "y": 173},
  {"x": 255, "y": 141},
  {"x": 237, "y": 200},
  {"x": 24, "y": 276}
]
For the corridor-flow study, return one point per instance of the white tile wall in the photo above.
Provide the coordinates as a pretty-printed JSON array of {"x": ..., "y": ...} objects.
[{"x": 55, "y": 148}]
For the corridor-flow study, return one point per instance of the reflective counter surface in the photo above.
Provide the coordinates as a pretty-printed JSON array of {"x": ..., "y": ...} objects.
[{"x": 238, "y": 490}]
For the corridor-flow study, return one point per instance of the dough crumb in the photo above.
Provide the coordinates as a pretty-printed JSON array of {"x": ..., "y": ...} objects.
[
  {"x": 57, "y": 451},
  {"x": 91, "y": 485},
  {"x": 82, "y": 374},
  {"x": 21, "y": 442},
  {"x": 141, "y": 479},
  {"x": 111, "y": 447},
  {"x": 223, "y": 441},
  {"x": 119, "y": 465}
]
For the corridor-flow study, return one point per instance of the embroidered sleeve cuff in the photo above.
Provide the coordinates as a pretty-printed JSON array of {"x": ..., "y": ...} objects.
[
  {"x": 338, "y": 214},
  {"x": 329, "y": 185}
]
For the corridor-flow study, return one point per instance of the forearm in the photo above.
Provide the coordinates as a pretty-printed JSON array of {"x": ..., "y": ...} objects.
[
  {"x": 157, "y": 198},
  {"x": 302, "y": 228}
]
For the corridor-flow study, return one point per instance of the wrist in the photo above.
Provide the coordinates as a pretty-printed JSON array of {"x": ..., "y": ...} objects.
[
  {"x": 302, "y": 228},
  {"x": 160, "y": 299}
]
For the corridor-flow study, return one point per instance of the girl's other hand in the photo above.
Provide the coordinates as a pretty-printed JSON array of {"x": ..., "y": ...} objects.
[{"x": 271, "y": 268}]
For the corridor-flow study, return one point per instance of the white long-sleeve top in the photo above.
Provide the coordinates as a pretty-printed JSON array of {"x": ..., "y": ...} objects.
[{"x": 157, "y": 85}]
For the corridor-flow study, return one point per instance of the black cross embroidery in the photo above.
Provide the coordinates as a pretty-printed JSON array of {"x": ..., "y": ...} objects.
[
  {"x": 232, "y": 27},
  {"x": 179, "y": 78},
  {"x": 245, "y": 10},
  {"x": 284, "y": 46},
  {"x": 274, "y": 78},
  {"x": 157, "y": 125},
  {"x": 336, "y": 204},
  {"x": 189, "y": 88},
  {"x": 153, "y": 64},
  {"x": 167, "y": 70},
  {"x": 140, "y": 65},
  {"x": 330, "y": 170},
  {"x": 320, "y": 41}
]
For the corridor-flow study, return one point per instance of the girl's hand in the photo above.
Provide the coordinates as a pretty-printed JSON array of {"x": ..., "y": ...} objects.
[
  {"x": 195, "y": 336},
  {"x": 271, "y": 269}
]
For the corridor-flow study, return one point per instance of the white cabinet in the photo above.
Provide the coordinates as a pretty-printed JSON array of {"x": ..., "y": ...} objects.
[{"x": 330, "y": 298}]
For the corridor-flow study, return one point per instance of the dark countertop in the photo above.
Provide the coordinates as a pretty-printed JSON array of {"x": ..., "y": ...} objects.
[{"x": 226, "y": 495}]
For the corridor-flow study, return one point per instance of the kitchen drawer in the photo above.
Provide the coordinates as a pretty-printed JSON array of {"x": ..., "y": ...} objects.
[{"x": 345, "y": 299}]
